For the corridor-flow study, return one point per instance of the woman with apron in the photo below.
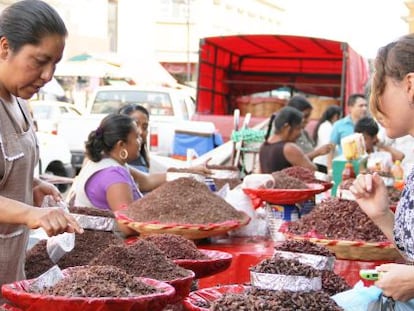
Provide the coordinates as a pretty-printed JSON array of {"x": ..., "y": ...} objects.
[{"x": 32, "y": 39}]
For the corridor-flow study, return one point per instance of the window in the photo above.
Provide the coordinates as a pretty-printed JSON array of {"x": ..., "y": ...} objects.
[{"x": 157, "y": 103}]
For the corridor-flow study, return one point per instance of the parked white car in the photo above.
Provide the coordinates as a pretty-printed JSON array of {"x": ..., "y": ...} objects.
[
  {"x": 48, "y": 114},
  {"x": 54, "y": 158},
  {"x": 169, "y": 109}
]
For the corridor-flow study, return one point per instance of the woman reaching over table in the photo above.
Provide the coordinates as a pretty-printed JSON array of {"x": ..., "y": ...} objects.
[
  {"x": 32, "y": 39},
  {"x": 392, "y": 103},
  {"x": 279, "y": 150},
  {"x": 106, "y": 181}
]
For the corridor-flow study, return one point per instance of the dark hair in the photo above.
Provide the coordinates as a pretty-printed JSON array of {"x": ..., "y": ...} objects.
[
  {"x": 395, "y": 60},
  {"x": 353, "y": 98},
  {"x": 300, "y": 103},
  {"x": 367, "y": 125},
  {"x": 327, "y": 115},
  {"x": 128, "y": 110},
  {"x": 113, "y": 128},
  {"x": 286, "y": 115},
  {"x": 28, "y": 22}
]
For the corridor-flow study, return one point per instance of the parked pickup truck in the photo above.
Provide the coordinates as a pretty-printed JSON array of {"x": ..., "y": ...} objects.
[{"x": 169, "y": 109}]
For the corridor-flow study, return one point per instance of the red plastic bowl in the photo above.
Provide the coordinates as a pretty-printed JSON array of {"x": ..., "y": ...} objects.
[
  {"x": 198, "y": 299},
  {"x": 326, "y": 185},
  {"x": 10, "y": 308},
  {"x": 182, "y": 286},
  {"x": 18, "y": 294},
  {"x": 284, "y": 196},
  {"x": 218, "y": 261}
]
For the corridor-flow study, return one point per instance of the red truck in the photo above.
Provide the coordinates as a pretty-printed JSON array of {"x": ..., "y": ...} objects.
[{"x": 233, "y": 67}]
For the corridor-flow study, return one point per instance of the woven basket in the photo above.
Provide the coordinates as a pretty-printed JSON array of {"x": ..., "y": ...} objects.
[
  {"x": 355, "y": 250},
  {"x": 189, "y": 231}
]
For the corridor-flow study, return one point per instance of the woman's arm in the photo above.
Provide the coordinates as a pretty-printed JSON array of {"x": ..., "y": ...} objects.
[
  {"x": 52, "y": 220},
  {"x": 147, "y": 182},
  {"x": 296, "y": 157},
  {"x": 119, "y": 196},
  {"x": 319, "y": 151}
]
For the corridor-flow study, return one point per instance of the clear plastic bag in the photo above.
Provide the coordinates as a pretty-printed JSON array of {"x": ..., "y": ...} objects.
[
  {"x": 388, "y": 304},
  {"x": 47, "y": 279},
  {"x": 57, "y": 246}
]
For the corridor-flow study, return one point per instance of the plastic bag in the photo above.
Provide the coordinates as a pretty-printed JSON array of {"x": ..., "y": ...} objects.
[
  {"x": 240, "y": 201},
  {"x": 264, "y": 181},
  {"x": 60, "y": 244},
  {"x": 358, "y": 298},
  {"x": 388, "y": 304},
  {"x": 48, "y": 279}
]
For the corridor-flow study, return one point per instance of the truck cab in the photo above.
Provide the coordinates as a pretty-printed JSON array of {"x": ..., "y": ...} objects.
[
  {"x": 168, "y": 108},
  {"x": 161, "y": 102}
]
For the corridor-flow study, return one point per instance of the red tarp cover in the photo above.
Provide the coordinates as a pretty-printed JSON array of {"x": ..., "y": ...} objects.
[{"x": 233, "y": 66}]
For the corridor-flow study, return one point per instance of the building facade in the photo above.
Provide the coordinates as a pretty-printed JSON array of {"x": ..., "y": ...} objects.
[
  {"x": 167, "y": 30},
  {"x": 410, "y": 18}
]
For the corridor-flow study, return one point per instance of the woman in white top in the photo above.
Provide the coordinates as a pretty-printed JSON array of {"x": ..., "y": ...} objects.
[{"x": 322, "y": 134}]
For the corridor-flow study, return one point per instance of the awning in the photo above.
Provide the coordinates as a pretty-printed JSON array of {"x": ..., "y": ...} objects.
[
  {"x": 140, "y": 70},
  {"x": 233, "y": 66}
]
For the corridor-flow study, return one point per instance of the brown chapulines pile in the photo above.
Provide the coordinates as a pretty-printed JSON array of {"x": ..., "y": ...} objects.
[
  {"x": 91, "y": 211},
  {"x": 87, "y": 245},
  {"x": 299, "y": 172},
  {"x": 335, "y": 218},
  {"x": 333, "y": 283},
  {"x": 184, "y": 201},
  {"x": 264, "y": 300},
  {"x": 176, "y": 246},
  {"x": 304, "y": 246},
  {"x": 284, "y": 181},
  {"x": 142, "y": 258},
  {"x": 99, "y": 281},
  {"x": 283, "y": 266}
]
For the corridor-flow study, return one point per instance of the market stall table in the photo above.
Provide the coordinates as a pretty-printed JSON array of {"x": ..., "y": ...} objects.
[{"x": 249, "y": 251}]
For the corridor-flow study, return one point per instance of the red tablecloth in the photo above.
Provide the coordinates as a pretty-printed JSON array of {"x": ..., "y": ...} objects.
[{"x": 250, "y": 251}]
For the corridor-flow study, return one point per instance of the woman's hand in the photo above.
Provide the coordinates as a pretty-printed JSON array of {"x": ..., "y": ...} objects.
[
  {"x": 397, "y": 281},
  {"x": 41, "y": 189},
  {"x": 201, "y": 168},
  {"x": 371, "y": 194},
  {"x": 53, "y": 220}
]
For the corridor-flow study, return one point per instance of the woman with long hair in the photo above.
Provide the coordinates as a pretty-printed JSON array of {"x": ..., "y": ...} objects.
[
  {"x": 279, "y": 149},
  {"x": 392, "y": 103}
]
